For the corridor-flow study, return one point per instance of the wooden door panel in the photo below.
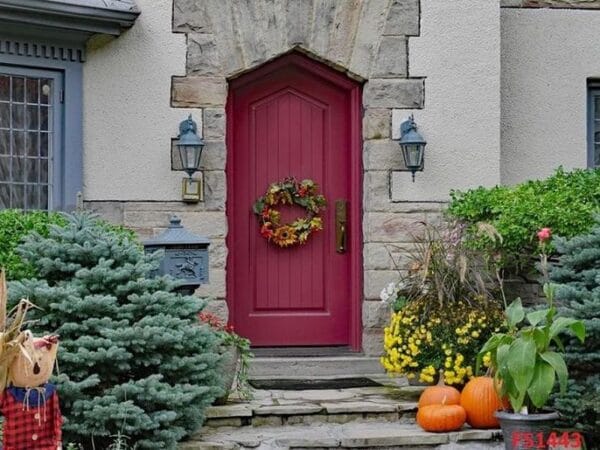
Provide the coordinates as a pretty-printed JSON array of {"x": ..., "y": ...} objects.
[{"x": 290, "y": 121}]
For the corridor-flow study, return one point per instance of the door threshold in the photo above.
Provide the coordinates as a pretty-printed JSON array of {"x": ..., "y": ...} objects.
[
  {"x": 300, "y": 383},
  {"x": 299, "y": 352}
]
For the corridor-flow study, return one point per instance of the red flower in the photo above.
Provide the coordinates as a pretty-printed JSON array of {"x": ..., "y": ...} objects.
[
  {"x": 302, "y": 191},
  {"x": 544, "y": 235},
  {"x": 210, "y": 319},
  {"x": 266, "y": 212},
  {"x": 266, "y": 231}
]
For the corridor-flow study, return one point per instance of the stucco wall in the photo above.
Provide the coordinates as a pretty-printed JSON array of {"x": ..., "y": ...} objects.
[
  {"x": 128, "y": 120},
  {"x": 443, "y": 56},
  {"x": 547, "y": 56},
  {"x": 458, "y": 52}
]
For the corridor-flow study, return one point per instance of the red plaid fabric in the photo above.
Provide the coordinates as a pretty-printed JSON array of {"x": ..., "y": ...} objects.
[{"x": 27, "y": 426}]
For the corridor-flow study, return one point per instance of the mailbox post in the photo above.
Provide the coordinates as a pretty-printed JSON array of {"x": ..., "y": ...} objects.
[{"x": 185, "y": 255}]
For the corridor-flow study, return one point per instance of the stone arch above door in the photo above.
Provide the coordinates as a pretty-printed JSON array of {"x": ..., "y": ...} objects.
[{"x": 365, "y": 39}]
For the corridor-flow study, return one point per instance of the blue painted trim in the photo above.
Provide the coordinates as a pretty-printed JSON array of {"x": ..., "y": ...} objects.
[
  {"x": 84, "y": 16},
  {"x": 593, "y": 92},
  {"x": 68, "y": 176},
  {"x": 57, "y": 160}
]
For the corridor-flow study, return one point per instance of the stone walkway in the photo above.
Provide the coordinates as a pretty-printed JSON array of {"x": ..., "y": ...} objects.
[
  {"x": 380, "y": 417},
  {"x": 363, "y": 435}
]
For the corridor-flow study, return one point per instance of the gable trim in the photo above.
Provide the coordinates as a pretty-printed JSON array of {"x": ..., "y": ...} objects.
[{"x": 73, "y": 16}]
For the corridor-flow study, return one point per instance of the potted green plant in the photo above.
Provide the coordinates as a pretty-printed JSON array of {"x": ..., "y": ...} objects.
[
  {"x": 236, "y": 354},
  {"x": 526, "y": 361}
]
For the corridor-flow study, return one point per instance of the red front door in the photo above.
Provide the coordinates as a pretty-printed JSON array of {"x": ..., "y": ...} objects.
[{"x": 294, "y": 117}]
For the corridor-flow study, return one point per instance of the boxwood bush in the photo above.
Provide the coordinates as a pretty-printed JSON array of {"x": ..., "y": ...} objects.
[
  {"x": 15, "y": 225},
  {"x": 566, "y": 202}
]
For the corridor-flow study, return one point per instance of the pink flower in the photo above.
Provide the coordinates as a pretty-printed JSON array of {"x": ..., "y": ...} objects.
[{"x": 544, "y": 234}]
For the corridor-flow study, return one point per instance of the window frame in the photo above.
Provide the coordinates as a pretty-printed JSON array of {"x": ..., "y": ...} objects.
[
  {"x": 37, "y": 53},
  {"x": 593, "y": 92},
  {"x": 56, "y": 173}
]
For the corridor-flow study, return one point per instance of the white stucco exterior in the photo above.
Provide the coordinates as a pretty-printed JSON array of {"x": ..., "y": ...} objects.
[
  {"x": 547, "y": 57},
  {"x": 458, "y": 53},
  {"x": 128, "y": 121},
  {"x": 530, "y": 64}
]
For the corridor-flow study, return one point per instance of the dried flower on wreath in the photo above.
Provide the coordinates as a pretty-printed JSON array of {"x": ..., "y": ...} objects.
[{"x": 290, "y": 192}]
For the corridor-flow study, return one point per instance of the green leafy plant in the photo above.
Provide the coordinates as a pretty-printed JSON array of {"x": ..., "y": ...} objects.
[
  {"x": 565, "y": 202},
  {"x": 15, "y": 225},
  {"x": 524, "y": 359},
  {"x": 230, "y": 339}
]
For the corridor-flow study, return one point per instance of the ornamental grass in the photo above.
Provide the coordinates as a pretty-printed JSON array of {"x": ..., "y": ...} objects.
[{"x": 445, "y": 307}]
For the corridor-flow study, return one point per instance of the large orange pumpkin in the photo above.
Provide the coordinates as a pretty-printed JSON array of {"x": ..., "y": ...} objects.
[
  {"x": 435, "y": 395},
  {"x": 441, "y": 418},
  {"x": 480, "y": 400}
]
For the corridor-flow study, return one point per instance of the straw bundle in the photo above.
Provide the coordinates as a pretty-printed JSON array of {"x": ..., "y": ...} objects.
[{"x": 12, "y": 333}]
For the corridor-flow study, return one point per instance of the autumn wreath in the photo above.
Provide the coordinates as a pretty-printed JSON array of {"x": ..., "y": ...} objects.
[{"x": 290, "y": 192}]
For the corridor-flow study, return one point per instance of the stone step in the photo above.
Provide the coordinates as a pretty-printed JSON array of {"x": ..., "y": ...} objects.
[
  {"x": 312, "y": 406},
  {"x": 362, "y": 435},
  {"x": 315, "y": 367}
]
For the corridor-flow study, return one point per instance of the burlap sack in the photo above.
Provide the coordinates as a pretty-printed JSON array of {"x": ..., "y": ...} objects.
[{"x": 33, "y": 366}]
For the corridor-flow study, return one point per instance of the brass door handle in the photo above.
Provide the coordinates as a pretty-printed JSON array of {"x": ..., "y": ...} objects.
[{"x": 340, "y": 225}]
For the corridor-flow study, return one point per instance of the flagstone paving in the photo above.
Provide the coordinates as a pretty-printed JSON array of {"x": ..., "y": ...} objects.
[
  {"x": 380, "y": 417},
  {"x": 363, "y": 435}
]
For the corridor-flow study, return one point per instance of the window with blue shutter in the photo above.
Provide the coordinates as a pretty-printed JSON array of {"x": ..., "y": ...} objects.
[
  {"x": 41, "y": 123},
  {"x": 42, "y": 51},
  {"x": 31, "y": 122},
  {"x": 594, "y": 127}
]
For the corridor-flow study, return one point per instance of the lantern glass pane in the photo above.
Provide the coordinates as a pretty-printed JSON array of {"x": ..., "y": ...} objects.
[
  {"x": 188, "y": 156},
  {"x": 413, "y": 155}
]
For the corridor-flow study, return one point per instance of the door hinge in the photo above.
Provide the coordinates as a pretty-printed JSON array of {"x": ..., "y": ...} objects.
[{"x": 62, "y": 96}]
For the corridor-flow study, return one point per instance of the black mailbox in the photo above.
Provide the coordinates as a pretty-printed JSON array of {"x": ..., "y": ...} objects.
[{"x": 185, "y": 258}]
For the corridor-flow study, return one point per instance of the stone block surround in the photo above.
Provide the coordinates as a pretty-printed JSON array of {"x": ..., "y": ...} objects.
[
  {"x": 561, "y": 4},
  {"x": 365, "y": 39}
]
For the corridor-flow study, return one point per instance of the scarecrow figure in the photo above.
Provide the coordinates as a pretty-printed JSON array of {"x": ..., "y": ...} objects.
[{"x": 28, "y": 402}]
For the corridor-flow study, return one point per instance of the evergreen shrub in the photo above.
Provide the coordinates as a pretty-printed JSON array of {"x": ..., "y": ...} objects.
[
  {"x": 15, "y": 225},
  {"x": 578, "y": 276},
  {"x": 134, "y": 360},
  {"x": 565, "y": 202}
]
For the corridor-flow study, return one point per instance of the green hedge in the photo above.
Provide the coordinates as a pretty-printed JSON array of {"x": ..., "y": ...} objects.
[
  {"x": 566, "y": 202},
  {"x": 16, "y": 224}
]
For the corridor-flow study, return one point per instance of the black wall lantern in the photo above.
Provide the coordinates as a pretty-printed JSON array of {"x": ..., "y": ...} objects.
[
  {"x": 413, "y": 146},
  {"x": 190, "y": 147}
]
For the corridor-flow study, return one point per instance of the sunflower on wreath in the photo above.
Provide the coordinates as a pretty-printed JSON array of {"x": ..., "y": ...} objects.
[{"x": 290, "y": 192}]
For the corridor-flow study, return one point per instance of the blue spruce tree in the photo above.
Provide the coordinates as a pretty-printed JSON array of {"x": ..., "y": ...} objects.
[
  {"x": 133, "y": 359},
  {"x": 578, "y": 275}
]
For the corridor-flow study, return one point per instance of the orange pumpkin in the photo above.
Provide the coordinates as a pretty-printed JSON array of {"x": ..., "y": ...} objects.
[
  {"x": 480, "y": 400},
  {"x": 434, "y": 395},
  {"x": 441, "y": 418}
]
